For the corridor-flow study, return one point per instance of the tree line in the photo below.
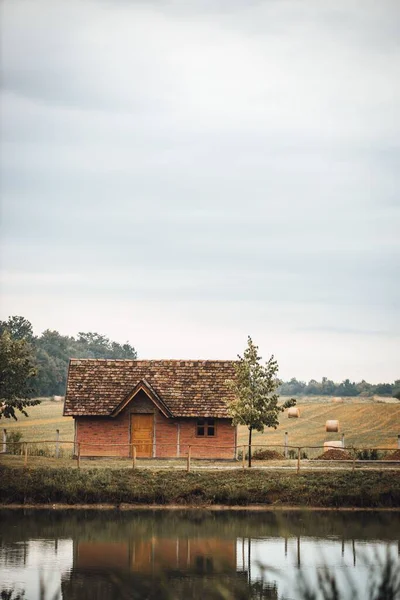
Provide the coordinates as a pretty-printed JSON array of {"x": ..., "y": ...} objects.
[
  {"x": 49, "y": 353},
  {"x": 327, "y": 387}
]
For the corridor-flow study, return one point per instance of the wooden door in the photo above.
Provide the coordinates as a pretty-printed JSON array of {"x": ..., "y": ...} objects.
[{"x": 142, "y": 434}]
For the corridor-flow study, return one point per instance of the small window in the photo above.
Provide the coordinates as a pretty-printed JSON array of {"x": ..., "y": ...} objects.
[
  {"x": 205, "y": 427},
  {"x": 201, "y": 427}
]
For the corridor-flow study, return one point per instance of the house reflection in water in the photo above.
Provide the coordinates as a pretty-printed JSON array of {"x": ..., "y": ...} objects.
[
  {"x": 156, "y": 567},
  {"x": 158, "y": 555}
]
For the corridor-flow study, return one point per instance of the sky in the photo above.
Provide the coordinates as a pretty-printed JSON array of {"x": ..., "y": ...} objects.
[{"x": 184, "y": 174}]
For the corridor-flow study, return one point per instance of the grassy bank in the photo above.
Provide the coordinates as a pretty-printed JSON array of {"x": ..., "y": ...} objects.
[{"x": 91, "y": 486}]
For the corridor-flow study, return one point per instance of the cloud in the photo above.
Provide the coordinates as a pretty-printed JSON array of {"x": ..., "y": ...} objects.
[{"x": 228, "y": 159}]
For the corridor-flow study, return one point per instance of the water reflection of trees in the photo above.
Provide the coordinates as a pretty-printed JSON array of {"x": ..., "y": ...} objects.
[{"x": 117, "y": 525}]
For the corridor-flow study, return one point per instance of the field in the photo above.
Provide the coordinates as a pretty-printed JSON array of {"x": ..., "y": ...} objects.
[
  {"x": 366, "y": 423},
  {"x": 42, "y": 422}
]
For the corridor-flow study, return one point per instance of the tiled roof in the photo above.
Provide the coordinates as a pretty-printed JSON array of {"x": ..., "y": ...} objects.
[{"x": 188, "y": 388}]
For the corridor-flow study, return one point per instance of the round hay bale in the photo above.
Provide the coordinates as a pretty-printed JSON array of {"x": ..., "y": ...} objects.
[
  {"x": 293, "y": 412},
  {"x": 332, "y": 425},
  {"x": 334, "y": 444},
  {"x": 58, "y": 398},
  {"x": 338, "y": 400}
]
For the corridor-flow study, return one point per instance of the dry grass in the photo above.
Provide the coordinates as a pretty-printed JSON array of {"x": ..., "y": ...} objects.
[
  {"x": 366, "y": 423},
  {"x": 42, "y": 422}
]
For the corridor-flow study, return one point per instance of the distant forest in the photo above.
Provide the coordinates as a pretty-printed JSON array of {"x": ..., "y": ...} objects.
[
  {"x": 52, "y": 352},
  {"x": 327, "y": 387}
]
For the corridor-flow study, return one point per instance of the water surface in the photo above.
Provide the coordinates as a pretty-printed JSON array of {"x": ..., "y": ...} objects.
[{"x": 163, "y": 555}]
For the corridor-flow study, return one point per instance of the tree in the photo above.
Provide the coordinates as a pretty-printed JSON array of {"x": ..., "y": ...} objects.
[
  {"x": 346, "y": 388},
  {"x": 313, "y": 388},
  {"x": 396, "y": 389},
  {"x": 256, "y": 402},
  {"x": 327, "y": 387},
  {"x": 17, "y": 369},
  {"x": 18, "y": 327},
  {"x": 292, "y": 387},
  {"x": 383, "y": 389}
]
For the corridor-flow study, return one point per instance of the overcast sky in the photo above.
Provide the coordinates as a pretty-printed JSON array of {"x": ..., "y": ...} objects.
[{"x": 181, "y": 174}]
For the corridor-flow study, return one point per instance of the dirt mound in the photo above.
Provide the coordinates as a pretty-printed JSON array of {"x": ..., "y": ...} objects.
[
  {"x": 334, "y": 454},
  {"x": 394, "y": 456},
  {"x": 267, "y": 455}
]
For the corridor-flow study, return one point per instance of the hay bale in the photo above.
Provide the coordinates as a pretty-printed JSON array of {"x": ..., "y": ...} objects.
[
  {"x": 332, "y": 425},
  {"x": 58, "y": 398},
  {"x": 338, "y": 400},
  {"x": 335, "y": 454},
  {"x": 293, "y": 412},
  {"x": 333, "y": 444}
]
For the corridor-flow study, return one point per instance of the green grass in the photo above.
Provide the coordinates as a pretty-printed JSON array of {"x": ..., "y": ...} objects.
[{"x": 91, "y": 486}]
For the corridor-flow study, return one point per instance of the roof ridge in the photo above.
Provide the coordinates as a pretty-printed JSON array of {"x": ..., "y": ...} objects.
[{"x": 153, "y": 360}]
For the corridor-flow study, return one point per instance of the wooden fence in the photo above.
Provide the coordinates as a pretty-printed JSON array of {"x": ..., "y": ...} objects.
[{"x": 282, "y": 456}]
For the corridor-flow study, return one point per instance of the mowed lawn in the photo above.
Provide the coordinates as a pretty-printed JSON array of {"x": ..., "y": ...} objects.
[{"x": 366, "y": 424}]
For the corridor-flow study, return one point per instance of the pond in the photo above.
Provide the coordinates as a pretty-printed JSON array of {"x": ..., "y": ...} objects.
[{"x": 193, "y": 554}]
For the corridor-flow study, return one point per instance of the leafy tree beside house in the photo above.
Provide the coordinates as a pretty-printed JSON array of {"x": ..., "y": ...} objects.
[
  {"x": 256, "y": 403},
  {"x": 17, "y": 370}
]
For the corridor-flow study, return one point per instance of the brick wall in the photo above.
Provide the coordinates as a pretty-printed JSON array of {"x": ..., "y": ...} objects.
[
  {"x": 219, "y": 446},
  {"x": 95, "y": 433}
]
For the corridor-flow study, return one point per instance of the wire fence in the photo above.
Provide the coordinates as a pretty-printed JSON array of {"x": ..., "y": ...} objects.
[{"x": 197, "y": 456}]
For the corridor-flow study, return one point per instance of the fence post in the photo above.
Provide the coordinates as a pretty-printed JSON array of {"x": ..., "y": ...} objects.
[
  {"x": 354, "y": 459},
  {"x": 4, "y": 440},
  {"x": 133, "y": 457},
  {"x": 188, "y": 458},
  {"x": 26, "y": 454},
  {"x": 244, "y": 457},
  {"x": 57, "y": 443},
  {"x": 79, "y": 455},
  {"x": 398, "y": 441},
  {"x": 285, "y": 452},
  {"x": 298, "y": 460},
  {"x": 343, "y": 440}
]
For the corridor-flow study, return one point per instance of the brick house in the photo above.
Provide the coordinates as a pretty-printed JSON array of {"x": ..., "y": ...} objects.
[{"x": 159, "y": 406}]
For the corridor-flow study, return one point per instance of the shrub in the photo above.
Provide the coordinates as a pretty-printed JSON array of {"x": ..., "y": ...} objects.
[
  {"x": 40, "y": 450},
  {"x": 369, "y": 454},
  {"x": 265, "y": 454},
  {"x": 240, "y": 455},
  {"x": 13, "y": 447}
]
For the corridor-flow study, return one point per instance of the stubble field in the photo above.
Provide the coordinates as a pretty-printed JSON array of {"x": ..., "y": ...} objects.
[{"x": 366, "y": 423}]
